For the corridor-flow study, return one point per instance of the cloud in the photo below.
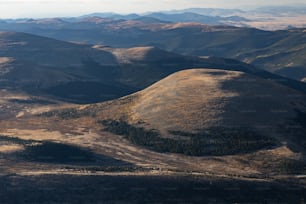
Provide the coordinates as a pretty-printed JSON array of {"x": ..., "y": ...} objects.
[
  {"x": 38, "y": 2},
  {"x": 49, "y": 8}
]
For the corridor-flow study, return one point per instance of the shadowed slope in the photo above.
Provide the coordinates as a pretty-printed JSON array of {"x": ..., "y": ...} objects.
[
  {"x": 85, "y": 73},
  {"x": 272, "y": 51}
]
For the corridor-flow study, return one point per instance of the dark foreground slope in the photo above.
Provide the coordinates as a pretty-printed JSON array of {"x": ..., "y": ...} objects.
[{"x": 144, "y": 189}]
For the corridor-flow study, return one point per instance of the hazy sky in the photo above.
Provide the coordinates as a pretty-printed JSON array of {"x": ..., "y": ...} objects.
[{"x": 51, "y": 8}]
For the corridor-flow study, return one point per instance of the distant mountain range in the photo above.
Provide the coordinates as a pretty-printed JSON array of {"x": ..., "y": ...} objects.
[
  {"x": 282, "y": 10},
  {"x": 209, "y": 11},
  {"x": 215, "y": 12},
  {"x": 157, "y": 16},
  {"x": 272, "y": 10},
  {"x": 174, "y": 17}
]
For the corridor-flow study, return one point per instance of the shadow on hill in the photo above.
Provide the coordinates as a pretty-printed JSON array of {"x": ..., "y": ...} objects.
[
  {"x": 293, "y": 72},
  {"x": 32, "y": 101},
  {"x": 269, "y": 108},
  {"x": 51, "y": 152},
  {"x": 59, "y": 153},
  {"x": 296, "y": 128},
  {"x": 89, "y": 92},
  {"x": 215, "y": 141}
]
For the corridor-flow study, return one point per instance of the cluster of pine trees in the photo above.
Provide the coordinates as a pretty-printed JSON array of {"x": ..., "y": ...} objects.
[{"x": 215, "y": 141}]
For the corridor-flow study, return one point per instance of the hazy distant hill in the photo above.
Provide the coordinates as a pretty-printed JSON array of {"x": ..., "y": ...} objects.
[
  {"x": 208, "y": 16},
  {"x": 174, "y": 17},
  {"x": 111, "y": 15},
  {"x": 194, "y": 17},
  {"x": 282, "y": 10},
  {"x": 292, "y": 9},
  {"x": 209, "y": 11}
]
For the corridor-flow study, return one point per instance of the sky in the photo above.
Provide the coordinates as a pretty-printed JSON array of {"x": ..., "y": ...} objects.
[{"x": 62, "y": 8}]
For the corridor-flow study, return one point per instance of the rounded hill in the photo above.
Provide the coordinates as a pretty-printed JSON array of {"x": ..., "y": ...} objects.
[{"x": 217, "y": 111}]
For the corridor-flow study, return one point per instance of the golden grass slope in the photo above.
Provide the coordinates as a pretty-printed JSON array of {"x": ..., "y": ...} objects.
[{"x": 200, "y": 99}]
